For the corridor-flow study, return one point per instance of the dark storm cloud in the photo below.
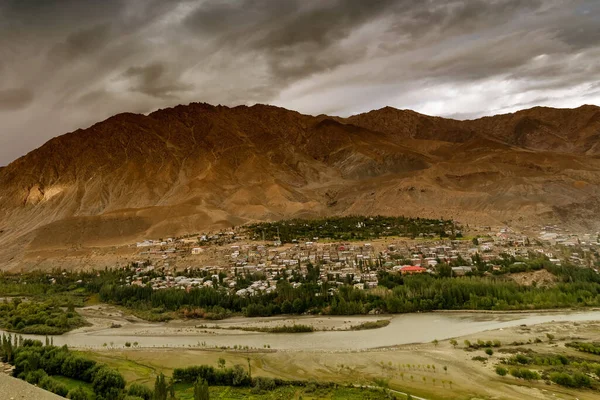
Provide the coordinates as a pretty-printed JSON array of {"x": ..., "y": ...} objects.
[
  {"x": 15, "y": 99},
  {"x": 155, "y": 80},
  {"x": 70, "y": 63},
  {"x": 81, "y": 43},
  {"x": 292, "y": 35}
]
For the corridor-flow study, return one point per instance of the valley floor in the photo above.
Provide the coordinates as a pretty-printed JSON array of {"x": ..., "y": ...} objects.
[{"x": 431, "y": 370}]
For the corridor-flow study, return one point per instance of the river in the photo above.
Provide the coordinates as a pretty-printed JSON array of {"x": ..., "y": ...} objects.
[{"x": 403, "y": 329}]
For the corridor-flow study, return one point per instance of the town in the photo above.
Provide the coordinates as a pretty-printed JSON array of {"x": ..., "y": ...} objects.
[{"x": 247, "y": 267}]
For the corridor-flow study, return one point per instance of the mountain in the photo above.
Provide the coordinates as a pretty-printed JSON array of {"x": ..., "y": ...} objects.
[{"x": 198, "y": 167}]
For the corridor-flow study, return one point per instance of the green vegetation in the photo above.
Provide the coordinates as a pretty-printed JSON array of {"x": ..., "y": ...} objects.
[
  {"x": 405, "y": 294},
  {"x": 45, "y": 318},
  {"x": 60, "y": 371},
  {"x": 563, "y": 370},
  {"x": 370, "y": 325},
  {"x": 415, "y": 293},
  {"x": 78, "y": 377},
  {"x": 201, "y": 390},
  {"x": 479, "y": 344},
  {"x": 592, "y": 348},
  {"x": 296, "y": 328},
  {"x": 575, "y": 380},
  {"x": 524, "y": 373},
  {"x": 576, "y": 287},
  {"x": 186, "y": 392},
  {"x": 352, "y": 228}
]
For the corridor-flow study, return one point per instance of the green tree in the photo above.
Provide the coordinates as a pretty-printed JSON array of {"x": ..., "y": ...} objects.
[
  {"x": 171, "y": 389},
  {"x": 135, "y": 389},
  {"x": 78, "y": 394},
  {"x": 108, "y": 383},
  {"x": 201, "y": 390},
  {"x": 286, "y": 307},
  {"x": 160, "y": 388}
]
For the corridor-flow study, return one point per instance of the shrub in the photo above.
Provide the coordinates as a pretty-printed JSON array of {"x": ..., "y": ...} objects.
[
  {"x": 575, "y": 380},
  {"x": 524, "y": 373},
  {"x": 489, "y": 352},
  {"x": 77, "y": 367},
  {"x": 520, "y": 359},
  {"x": 78, "y": 394},
  {"x": 501, "y": 370},
  {"x": 140, "y": 391},
  {"x": 563, "y": 379},
  {"x": 54, "y": 386},
  {"x": 240, "y": 376},
  {"x": 35, "y": 376},
  {"x": 262, "y": 383},
  {"x": 107, "y": 382}
]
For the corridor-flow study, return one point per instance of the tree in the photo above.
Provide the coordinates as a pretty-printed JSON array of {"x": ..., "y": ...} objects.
[
  {"x": 140, "y": 391},
  {"x": 108, "y": 383},
  {"x": 240, "y": 376},
  {"x": 171, "y": 389},
  {"x": 78, "y": 394},
  {"x": 286, "y": 307},
  {"x": 221, "y": 363},
  {"x": 160, "y": 388},
  {"x": 201, "y": 390},
  {"x": 489, "y": 352},
  {"x": 298, "y": 306},
  {"x": 454, "y": 343}
]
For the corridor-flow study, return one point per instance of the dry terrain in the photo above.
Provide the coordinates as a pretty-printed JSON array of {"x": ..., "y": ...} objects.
[
  {"x": 198, "y": 167},
  {"x": 463, "y": 378}
]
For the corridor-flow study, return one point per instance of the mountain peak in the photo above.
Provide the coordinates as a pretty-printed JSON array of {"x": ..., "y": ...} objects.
[{"x": 192, "y": 167}]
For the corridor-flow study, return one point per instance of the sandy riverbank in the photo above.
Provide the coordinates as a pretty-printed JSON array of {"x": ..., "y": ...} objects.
[
  {"x": 102, "y": 317},
  {"x": 463, "y": 377}
]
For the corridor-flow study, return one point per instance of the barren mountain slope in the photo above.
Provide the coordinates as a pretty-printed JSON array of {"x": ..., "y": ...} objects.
[{"x": 195, "y": 167}]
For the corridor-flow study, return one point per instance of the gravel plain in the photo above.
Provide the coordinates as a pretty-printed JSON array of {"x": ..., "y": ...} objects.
[{"x": 16, "y": 389}]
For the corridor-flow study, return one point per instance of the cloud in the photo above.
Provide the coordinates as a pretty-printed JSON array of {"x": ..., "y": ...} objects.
[
  {"x": 155, "y": 80},
  {"x": 81, "y": 43},
  {"x": 294, "y": 38},
  {"x": 15, "y": 99},
  {"x": 85, "y": 60}
]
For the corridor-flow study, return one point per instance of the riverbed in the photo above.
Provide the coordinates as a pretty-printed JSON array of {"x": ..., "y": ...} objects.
[{"x": 403, "y": 329}]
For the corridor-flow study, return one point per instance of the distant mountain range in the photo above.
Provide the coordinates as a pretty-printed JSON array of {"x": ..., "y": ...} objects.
[{"x": 198, "y": 167}]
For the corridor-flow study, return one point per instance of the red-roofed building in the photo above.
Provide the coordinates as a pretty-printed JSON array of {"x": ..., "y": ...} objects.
[{"x": 411, "y": 269}]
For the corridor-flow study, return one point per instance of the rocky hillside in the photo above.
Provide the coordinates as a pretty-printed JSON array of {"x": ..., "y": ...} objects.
[{"x": 195, "y": 167}]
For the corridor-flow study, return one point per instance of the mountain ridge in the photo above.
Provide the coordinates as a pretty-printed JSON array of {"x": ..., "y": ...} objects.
[{"x": 188, "y": 168}]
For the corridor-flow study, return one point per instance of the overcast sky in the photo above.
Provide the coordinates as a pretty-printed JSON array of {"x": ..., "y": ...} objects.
[{"x": 66, "y": 64}]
